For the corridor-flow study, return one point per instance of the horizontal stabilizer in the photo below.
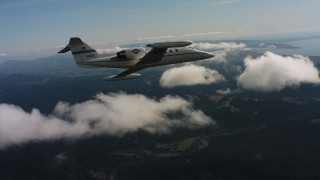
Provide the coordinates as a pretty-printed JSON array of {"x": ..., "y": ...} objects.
[
  {"x": 170, "y": 44},
  {"x": 114, "y": 78},
  {"x": 64, "y": 50}
]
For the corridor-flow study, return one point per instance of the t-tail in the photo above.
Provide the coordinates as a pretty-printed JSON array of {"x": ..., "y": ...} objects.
[{"x": 81, "y": 51}]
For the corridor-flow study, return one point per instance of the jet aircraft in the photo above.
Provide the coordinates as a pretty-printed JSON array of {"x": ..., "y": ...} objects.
[{"x": 134, "y": 59}]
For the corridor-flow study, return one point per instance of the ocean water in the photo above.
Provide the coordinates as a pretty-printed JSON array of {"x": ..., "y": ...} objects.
[{"x": 308, "y": 47}]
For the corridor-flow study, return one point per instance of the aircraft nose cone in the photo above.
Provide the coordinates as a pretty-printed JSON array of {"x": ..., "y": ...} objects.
[
  {"x": 211, "y": 55},
  {"x": 208, "y": 55}
]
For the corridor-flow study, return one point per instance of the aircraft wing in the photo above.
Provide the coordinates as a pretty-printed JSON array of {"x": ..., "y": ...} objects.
[
  {"x": 158, "y": 50},
  {"x": 155, "y": 55},
  {"x": 127, "y": 74}
]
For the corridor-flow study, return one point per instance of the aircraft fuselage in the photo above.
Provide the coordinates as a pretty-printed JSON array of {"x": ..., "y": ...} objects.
[
  {"x": 171, "y": 56},
  {"x": 135, "y": 59}
]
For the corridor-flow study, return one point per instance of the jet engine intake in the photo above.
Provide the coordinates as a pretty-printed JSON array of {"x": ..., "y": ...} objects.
[{"x": 131, "y": 54}]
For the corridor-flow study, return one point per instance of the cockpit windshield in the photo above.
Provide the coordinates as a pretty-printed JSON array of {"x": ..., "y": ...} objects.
[{"x": 122, "y": 54}]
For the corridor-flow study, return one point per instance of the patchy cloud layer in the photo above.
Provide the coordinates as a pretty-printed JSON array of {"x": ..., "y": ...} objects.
[
  {"x": 3, "y": 54},
  {"x": 113, "y": 114},
  {"x": 220, "y": 50},
  {"x": 272, "y": 72},
  {"x": 109, "y": 51},
  {"x": 222, "y": 45},
  {"x": 224, "y": 92},
  {"x": 189, "y": 75}
]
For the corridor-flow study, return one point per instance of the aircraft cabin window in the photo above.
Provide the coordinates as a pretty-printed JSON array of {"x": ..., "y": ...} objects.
[
  {"x": 170, "y": 51},
  {"x": 176, "y": 50}
]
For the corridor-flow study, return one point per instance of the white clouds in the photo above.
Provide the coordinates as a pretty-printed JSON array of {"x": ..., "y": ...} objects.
[
  {"x": 3, "y": 55},
  {"x": 219, "y": 56},
  {"x": 220, "y": 50},
  {"x": 268, "y": 46},
  {"x": 113, "y": 114},
  {"x": 219, "y": 46},
  {"x": 110, "y": 50},
  {"x": 224, "y": 92},
  {"x": 189, "y": 75},
  {"x": 272, "y": 72},
  {"x": 18, "y": 126},
  {"x": 272, "y": 47}
]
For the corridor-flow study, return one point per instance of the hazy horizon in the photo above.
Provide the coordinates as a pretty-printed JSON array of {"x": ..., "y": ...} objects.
[{"x": 37, "y": 27}]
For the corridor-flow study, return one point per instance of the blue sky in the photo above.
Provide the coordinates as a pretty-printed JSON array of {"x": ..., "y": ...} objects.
[{"x": 31, "y": 25}]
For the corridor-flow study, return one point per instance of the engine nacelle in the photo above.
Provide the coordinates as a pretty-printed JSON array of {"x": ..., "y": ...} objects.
[{"x": 131, "y": 54}]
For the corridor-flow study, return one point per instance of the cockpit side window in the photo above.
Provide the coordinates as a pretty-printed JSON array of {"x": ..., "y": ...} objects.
[{"x": 122, "y": 54}]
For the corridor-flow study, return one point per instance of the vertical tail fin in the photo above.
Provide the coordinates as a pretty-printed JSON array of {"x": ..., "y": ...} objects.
[{"x": 81, "y": 51}]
